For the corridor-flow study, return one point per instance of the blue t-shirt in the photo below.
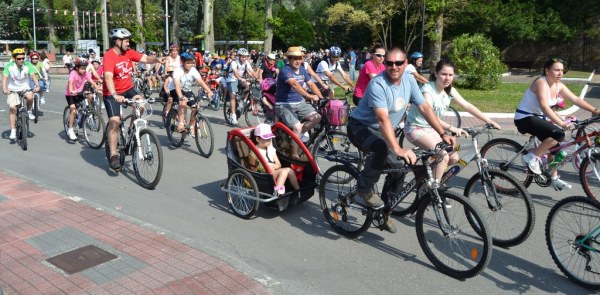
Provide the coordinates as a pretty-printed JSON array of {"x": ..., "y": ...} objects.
[
  {"x": 286, "y": 94},
  {"x": 352, "y": 58},
  {"x": 214, "y": 63},
  {"x": 381, "y": 93}
]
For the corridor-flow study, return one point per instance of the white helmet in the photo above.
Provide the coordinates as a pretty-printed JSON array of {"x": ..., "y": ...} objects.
[
  {"x": 119, "y": 33},
  {"x": 242, "y": 51}
]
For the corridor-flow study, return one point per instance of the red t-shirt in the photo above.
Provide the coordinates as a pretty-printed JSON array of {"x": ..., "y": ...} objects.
[
  {"x": 199, "y": 59},
  {"x": 121, "y": 66}
]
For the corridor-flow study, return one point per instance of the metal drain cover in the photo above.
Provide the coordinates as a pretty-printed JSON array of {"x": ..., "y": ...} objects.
[{"x": 81, "y": 259}]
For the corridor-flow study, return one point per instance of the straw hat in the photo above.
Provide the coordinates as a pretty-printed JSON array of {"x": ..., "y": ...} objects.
[{"x": 294, "y": 51}]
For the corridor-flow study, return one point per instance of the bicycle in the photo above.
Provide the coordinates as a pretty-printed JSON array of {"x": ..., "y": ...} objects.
[
  {"x": 36, "y": 104},
  {"x": 505, "y": 154},
  {"x": 139, "y": 142},
  {"x": 203, "y": 132},
  {"x": 446, "y": 223},
  {"x": 141, "y": 85},
  {"x": 22, "y": 119},
  {"x": 505, "y": 202},
  {"x": 89, "y": 120},
  {"x": 251, "y": 108},
  {"x": 573, "y": 236}
]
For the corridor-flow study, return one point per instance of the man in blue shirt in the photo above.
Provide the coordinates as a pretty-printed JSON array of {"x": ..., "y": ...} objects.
[
  {"x": 289, "y": 98},
  {"x": 371, "y": 125}
]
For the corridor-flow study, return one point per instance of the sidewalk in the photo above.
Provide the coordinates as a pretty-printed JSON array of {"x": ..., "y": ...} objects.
[{"x": 37, "y": 224}]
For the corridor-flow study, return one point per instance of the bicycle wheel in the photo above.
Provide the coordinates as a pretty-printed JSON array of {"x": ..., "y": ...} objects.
[
  {"x": 335, "y": 143},
  {"x": 253, "y": 113},
  {"x": 589, "y": 176},
  {"x": 408, "y": 204},
  {"x": 215, "y": 103},
  {"x": 452, "y": 117},
  {"x": 572, "y": 240},
  {"x": 205, "y": 139},
  {"x": 24, "y": 130},
  {"x": 36, "y": 107},
  {"x": 337, "y": 191},
  {"x": 505, "y": 205},
  {"x": 593, "y": 127},
  {"x": 66, "y": 114},
  {"x": 502, "y": 153},
  {"x": 147, "y": 160},
  {"x": 450, "y": 242},
  {"x": 242, "y": 195},
  {"x": 93, "y": 130},
  {"x": 175, "y": 137}
]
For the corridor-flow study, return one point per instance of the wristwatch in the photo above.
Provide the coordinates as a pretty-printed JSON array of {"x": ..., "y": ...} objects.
[{"x": 114, "y": 94}]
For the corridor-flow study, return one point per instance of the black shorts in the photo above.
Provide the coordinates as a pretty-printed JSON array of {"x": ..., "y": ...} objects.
[
  {"x": 190, "y": 95},
  {"x": 74, "y": 99},
  {"x": 113, "y": 108},
  {"x": 539, "y": 128}
]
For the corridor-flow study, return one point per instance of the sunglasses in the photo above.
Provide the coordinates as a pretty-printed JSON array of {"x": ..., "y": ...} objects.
[
  {"x": 556, "y": 59},
  {"x": 390, "y": 63},
  {"x": 379, "y": 55},
  {"x": 22, "y": 58},
  {"x": 35, "y": 59},
  {"x": 296, "y": 57}
]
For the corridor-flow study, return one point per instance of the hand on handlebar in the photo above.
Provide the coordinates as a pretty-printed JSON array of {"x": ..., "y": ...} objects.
[
  {"x": 407, "y": 155},
  {"x": 568, "y": 126},
  {"x": 119, "y": 98},
  {"x": 458, "y": 132},
  {"x": 451, "y": 140}
]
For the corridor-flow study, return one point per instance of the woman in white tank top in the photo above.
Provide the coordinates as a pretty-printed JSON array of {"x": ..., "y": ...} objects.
[{"x": 535, "y": 116}]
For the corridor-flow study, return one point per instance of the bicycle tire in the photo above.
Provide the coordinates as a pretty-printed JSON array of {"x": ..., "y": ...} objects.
[
  {"x": 93, "y": 130},
  {"x": 570, "y": 220},
  {"x": 23, "y": 130},
  {"x": 452, "y": 117},
  {"x": 241, "y": 181},
  {"x": 498, "y": 151},
  {"x": 469, "y": 251},
  {"x": 337, "y": 191},
  {"x": 215, "y": 103},
  {"x": 508, "y": 212},
  {"x": 151, "y": 153},
  {"x": 331, "y": 142},
  {"x": 590, "y": 181},
  {"x": 253, "y": 112},
  {"x": 175, "y": 137},
  {"x": 66, "y": 114},
  {"x": 205, "y": 139},
  {"x": 36, "y": 107},
  {"x": 162, "y": 115},
  {"x": 227, "y": 111}
]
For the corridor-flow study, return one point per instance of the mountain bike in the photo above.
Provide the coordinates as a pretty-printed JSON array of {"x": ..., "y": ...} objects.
[
  {"x": 505, "y": 154},
  {"x": 251, "y": 108},
  {"x": 573, "y": 239},
  {"x": 22, "y": 119},
  {"x": 36, "y": 104},
  {"x": 503, "y": 201},
  {"x": 139, "y": 142},
  {"x": 141, "y": 85},
  {"x": 450, "y": 229},
  {"x": 202, "y": 130},
  {"x": 88, "y": 120}
]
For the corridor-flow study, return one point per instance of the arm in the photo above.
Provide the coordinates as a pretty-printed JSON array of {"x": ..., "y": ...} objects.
[
  {"x": 566, "y": 93},
  {"x": 4, "y": 85},
  {"x": 345, "y": 76},
  {"x": 71, "y": 87},
  {"x": 334, "y": 80},
  {"x": 205, "y": 87},
  {"x": 420, "y": 78},
  {"x": 435, "y": 123},
  {"x": 314, "y": 75},
  {"x": 110, "y": 85},
  {"x": 251, "y": 70}
]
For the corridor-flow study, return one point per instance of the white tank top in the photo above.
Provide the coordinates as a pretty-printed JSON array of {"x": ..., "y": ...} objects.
[{"x": 529, "y": 103}]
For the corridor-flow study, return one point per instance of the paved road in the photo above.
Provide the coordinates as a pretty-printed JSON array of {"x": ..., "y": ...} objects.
[{"x": 294, "y": 252}]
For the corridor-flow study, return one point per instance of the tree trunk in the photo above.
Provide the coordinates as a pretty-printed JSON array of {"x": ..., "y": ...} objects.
[
  {"x": 140, "y": 23},
  {"x": 268, "y": 27},
  {"x": 208, "y": 26},
  {"x": 51, "y": 27},
  {"x": 436, "y": 45},
  {"x": 104, "y": 22},
  {"x": 76, "y": 36},
  {"x": 175, "y": 30}
]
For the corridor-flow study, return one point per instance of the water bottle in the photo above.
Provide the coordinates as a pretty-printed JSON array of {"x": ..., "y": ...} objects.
[{"x": 557, "y": 159}]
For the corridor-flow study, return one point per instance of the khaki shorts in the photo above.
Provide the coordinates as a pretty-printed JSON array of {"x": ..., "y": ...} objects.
[
  {"x": 291, "y": 114},
  {"x": 13, "y": 99}
]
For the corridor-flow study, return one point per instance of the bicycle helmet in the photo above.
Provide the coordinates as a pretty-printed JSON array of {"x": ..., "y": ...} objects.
[
  {"x": 416, "y": 55},
  {"x": 81, "y": 62},
  {"x": 141, "y": 50},
  {"x": 187, "y": 56},
  {"x": 303, "y": 49},
  {"x": 335, "y": 51},
  {"x": 119, "y": 33},
  {"x": 242, "y": 51},
  {"x": 18, "y": 51},
  {"x": 96, "y": 60},
  {"x": 166, "y": 52},
  {"x": 34, "y": 54},
  {"x": 174, "y": 46},
  {"x": 85, "y": 55}
]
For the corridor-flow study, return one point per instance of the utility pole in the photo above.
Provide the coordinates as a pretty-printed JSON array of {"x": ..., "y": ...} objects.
[
  {"x": 34, "y": 36},
  {"x": 104, "y": 21}
]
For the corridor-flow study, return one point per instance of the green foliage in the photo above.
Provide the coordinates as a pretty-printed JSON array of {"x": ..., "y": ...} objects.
[
  {"x": 477, "y": 61},
  {"x": 294, "y": 30}
]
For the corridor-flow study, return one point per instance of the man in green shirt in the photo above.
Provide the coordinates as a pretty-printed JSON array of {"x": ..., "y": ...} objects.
[{"x": 40, "y": 73}]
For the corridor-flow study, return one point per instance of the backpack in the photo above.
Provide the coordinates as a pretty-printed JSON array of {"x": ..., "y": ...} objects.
[{"x": 336, "y": 113}]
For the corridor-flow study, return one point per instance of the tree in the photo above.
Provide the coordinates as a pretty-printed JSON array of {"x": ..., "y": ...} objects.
[
  {"x": 268, "y": 25},
  {"x": 477, "y": 61},
  {"x": 292, "y": 29},
  {"x": 175, "y": 30},
  {"x": 140, "y": 23},
  {"x": 437, "y": 12}
]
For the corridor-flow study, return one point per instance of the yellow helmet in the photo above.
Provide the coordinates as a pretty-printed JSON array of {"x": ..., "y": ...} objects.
[{"x": 18, "y": 51}]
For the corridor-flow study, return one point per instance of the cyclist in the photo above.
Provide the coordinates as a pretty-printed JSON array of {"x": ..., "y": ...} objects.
[
  {"x": 198, "y": 58},
  {"x": 368, "y": 71},
  {"x": 216, "y": 60},
  {"x": 438, "y": 93},
  {"x": 118, "y": 85},
  {"x": 535, "y": 109},
  {"x": 237, "y": 70},
  {"x": 328, "y": 66},
  {"x": 165, "y": 93},
  {"x": 308, "y": 68},
  {"x": 371, "y": 125},
  {"x": 181, "y": 87},
  {"x": 15, "y": 77},
  {"x": 40, "y": 73},
  {"x": 414, "y": 67},
  {"x": 47, "y": 65},
  {"x": 173, "y": 59},
  {"x": 77, "y": 81},
  {"x": 267, "y": 68},
  {"x": 290, "y": 105},
  {"x": 90, "y": 67}
]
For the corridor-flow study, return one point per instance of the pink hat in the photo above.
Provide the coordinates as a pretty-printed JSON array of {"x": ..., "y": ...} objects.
[{"x": 263, "y": 131}]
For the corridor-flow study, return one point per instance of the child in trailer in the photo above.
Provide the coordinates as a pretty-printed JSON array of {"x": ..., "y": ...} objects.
[{"x": 263, "y": 137}]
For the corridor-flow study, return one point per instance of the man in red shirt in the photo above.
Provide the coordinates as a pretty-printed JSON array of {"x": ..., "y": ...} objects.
[
  {"x": 117, "y": 86},
  {"x": 199, "y": 59}
]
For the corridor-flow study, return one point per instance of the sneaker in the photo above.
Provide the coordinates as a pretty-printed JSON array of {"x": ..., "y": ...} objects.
[
  {"x": 390, "y": 226},
  {"x": 560, "y": 184},
  {"x": 71, "y": 134},
  {"x": 532, "y": 162},
  {"x": 233, "y": 120},
  {"x": 305, "y": 137},
  {"x": 31, "y": 116},
  {"x": 371, "y": 200},
  {"x": 13, "y": 134},
  {"x": 43, "y": 100},
  {"x": 115, "y": 163}
]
